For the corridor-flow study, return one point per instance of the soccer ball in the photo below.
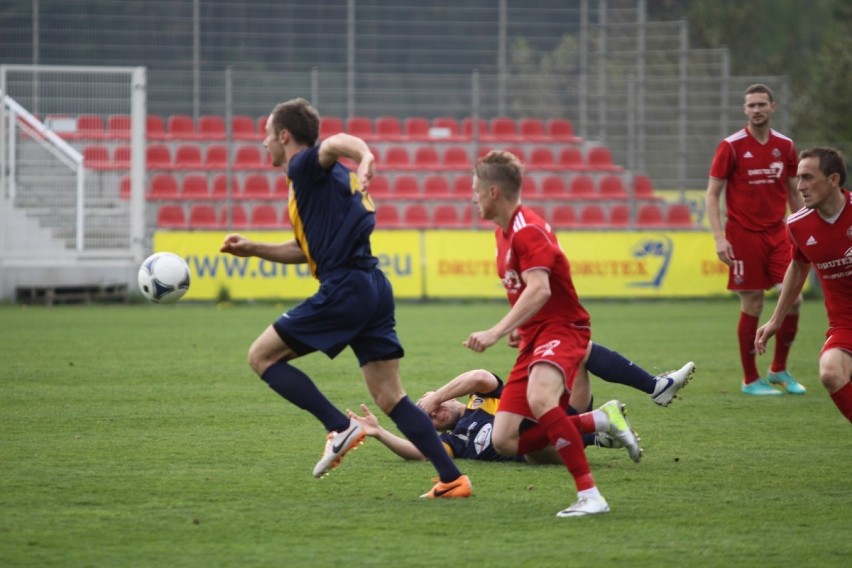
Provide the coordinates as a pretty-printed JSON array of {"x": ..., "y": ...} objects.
[{"x": 164, "y": 278}]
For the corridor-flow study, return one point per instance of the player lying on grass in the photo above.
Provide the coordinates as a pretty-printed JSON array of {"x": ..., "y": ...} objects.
[{"x": 466, "y": 428}]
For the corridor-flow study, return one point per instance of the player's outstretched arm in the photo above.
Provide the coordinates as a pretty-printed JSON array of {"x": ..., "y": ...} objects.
[
  {"x": 466, "y": 384},
  {"x": 401, "y": 447},
  {"x": 287, "y": 252},
  {"x": 791, "y": 287}
]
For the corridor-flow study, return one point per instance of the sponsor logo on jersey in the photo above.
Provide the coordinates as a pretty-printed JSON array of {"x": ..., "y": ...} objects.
[
  {"x": 546, "y": 350},
  {"x": 748, "y": 155},
  {"x": 811, "y": 241},
  {"x": 483, "y": 438},
  {"x": 776, "y": 153},
  {"x": 512, "y": 282}
]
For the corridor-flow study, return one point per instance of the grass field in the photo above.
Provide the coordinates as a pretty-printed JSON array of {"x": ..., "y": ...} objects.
[{"x": 137, "y": 436}]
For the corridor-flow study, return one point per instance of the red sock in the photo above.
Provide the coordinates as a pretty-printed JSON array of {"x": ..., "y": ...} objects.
[
  {"x": 535, "y": 438},
  {"x": 565, "y": 437},
  {"x": 843, "y": 400},
  {"x": 746, "y": 330},
  {"x": 783, "y": 341}
]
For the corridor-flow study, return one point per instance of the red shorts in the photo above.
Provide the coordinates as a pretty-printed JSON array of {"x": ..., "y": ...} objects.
[
  {"x": 761, "y": 258},
  {"x": 559, "y": 345},
  {"x": 838, "y": 338}
]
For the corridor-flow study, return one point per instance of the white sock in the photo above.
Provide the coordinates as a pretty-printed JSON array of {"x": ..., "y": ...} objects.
[
  {"x": 591, "y": 493},
  {"x": 601, "y": 421}
]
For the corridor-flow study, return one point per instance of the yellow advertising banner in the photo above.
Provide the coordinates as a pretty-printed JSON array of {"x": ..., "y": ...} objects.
[
  {"x": 399, "y": 254},
  {"x": 461, "y": 264}
]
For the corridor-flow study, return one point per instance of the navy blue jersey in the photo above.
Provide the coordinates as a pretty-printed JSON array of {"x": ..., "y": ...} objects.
[
  {"x": 471, "y": 437},
  {"x": 332, "y": 218}
]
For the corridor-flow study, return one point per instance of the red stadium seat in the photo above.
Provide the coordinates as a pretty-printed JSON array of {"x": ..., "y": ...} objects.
[
  {"x": 563, "y": 217},
  {"x": 181, "y": 127},
  {"x": 89, "y": 127},
  {"x": 188, "y": 157},
  {"x": 416, "y": 128},
  {"x": 124, "y": 187},
  {"x": 435, "y": 186},
  {"x": 532, "y": 130},
  {"x": 387, "y": 217},
  {"x": 592, "y": 217},
  {"x": 285, "y": 217},
  {"x": 158, "y": 157},
  {"x": 406, "y": 187},
  {"x": 264, "y": 216},
  {"x": 211, "y": 127},
  {"x": 379, "y": 187},
  {"x": 220, "y": 187},
  {"x": 541, "y": 158},
  {"x": 118, "y": 127},
  {"x": 360, "y": 126},
  {"x": 582, "y": 187},
  {"x": 281, "y": 187},
  {"x": 216, "y": 157},
  {"x": 329, "y": 126},
  {"x": 503, "y": 129},
  {"x": 388, "y": 129},
  {"x": 553, "y": 187},
  {"x": 643, "y": 188},
  {"x": 619, "y": 215},
  {"x": 612, "y": 187},
  {"x": 163, "y": 186},
  {"x": 155, "y": 129},
  {"x": 600, "y": 158},
  {"x": 396, "y": 158},
  {"x": 571, "y": 158},
  {"x": 529, "y": 188},
  {"x": 256, "y": 186},
  {"x": 539, "y": 210},
  {"x": 121, "y": 157},
  {"x": 457, "y": 158},
  {"x": 650, "y": 216},
  {"x": 416, "y": 216},
  {"x": 242, "y": 128},
  {"x": 446, "y": 128},
  {"x": 239, "y": 219},
  {"x": 467, "y": 128},
  {"x": 96, "y": 158},
  {"x": 194, "y": 186},
  {"x": 446, "y": 216},
  {"x": 679, "y": 216},
  {"x": 203, "y": 216},
  {"x": 261, "y": 124},
  {"x": 560, "y": 130},
  {"x": 171, "y": 217},
  {"x": 248, "y": 158},
  {"x": 462, "y": 187},
  {"x": 426, "y": 158},
  {"x": 518, "y": 151}
]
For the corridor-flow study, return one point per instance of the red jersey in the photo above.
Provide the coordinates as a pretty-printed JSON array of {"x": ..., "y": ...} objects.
[
  {"x": 530, "y": 243},
  {"x": 756, "y": 193},
  {"x": 828, "y": 246}
]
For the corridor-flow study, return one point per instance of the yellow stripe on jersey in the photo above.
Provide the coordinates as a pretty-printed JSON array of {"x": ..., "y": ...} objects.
[
  {"x": 448, "y": 448},
  {"x": 355, "y": 185},
  {"x": 488, "y": 404},
  {"x": 299, "y": 228}
]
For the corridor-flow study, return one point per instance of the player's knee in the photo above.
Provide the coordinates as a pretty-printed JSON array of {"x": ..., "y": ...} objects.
[
  {"x": 832, "y": 379},
  {"x": 256, "y": 360}
]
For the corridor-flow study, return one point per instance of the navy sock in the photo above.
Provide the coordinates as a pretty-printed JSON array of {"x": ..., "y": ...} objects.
[
  {"x": 615, "y": 368},
  {"x": 298, "y": 388},
  {"x": 418, "y": 428}
]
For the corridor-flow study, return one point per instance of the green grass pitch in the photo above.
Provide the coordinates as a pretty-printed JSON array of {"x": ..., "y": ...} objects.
[{"x": 137, "y": 436}]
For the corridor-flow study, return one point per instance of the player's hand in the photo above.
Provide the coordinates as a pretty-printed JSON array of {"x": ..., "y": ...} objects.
[
  {"x": 514, "y": 339},
  {"x": 764, "y": 334},
  {"x": 236, "y": 245},
  {"x": 366, "y": 169},
  {"x": 429, "y": 402},
  {"x": 369, "y": 421},
  {"x": 479, "y": 341},
  {"x": 725, "y": 251}
]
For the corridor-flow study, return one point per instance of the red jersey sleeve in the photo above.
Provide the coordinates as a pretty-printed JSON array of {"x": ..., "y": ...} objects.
[
  {"x": 534, "y": 249},
  {"x": 723, "y": 161}
]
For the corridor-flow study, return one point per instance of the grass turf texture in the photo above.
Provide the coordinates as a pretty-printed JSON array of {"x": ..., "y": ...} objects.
[{"x": 137, "y": 436}]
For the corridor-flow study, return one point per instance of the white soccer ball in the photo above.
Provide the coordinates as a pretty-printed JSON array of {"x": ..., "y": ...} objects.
[{"x": 164, "y": 278}]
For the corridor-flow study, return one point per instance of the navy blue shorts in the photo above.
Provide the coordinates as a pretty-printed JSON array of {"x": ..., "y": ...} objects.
[{"x": 351, "y": 308}]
